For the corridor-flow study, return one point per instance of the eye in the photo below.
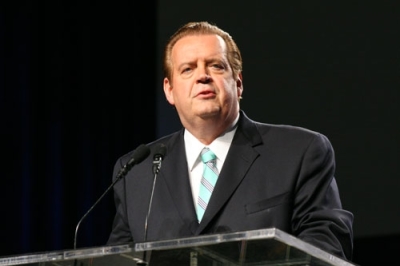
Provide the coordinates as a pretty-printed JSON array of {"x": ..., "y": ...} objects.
[
  {"x": 186, "y": 70},
  {"x": 217, "y": 66}
]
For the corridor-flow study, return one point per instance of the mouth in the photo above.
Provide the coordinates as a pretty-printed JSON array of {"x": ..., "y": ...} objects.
[{"x": 206, "y": 94}]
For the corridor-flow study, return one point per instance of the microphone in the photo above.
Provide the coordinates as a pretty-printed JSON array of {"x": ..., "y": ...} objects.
[
  {"x": 139, "y": 154},
  {"x": 159, "y": 153}
]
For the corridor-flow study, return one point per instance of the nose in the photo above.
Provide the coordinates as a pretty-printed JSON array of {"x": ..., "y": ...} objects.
[{"x": 203, "y": 77}]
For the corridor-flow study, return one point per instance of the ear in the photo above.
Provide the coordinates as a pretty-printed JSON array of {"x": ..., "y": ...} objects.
[
  {"x": 239, "y": 85},
  {"x": 168, "y": 91}
]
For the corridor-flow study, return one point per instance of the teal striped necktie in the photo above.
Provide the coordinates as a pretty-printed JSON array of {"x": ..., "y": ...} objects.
[{"x": 208, "y": 181}]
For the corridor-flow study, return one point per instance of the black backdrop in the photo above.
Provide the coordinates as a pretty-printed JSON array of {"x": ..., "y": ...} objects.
[
  {"x": 77, "y": 90},
  {"x": 81, "y": 85}
]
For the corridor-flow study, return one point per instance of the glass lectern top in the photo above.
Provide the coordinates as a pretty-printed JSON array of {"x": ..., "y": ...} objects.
[{"x": 248, "y": 248}]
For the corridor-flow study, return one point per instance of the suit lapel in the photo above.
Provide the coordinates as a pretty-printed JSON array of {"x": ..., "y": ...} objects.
[
  {"x": 175, "y": 174},
  {"x": 240, "y": 157}
]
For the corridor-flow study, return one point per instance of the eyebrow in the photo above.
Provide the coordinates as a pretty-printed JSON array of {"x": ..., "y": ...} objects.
[{"x": 209, "y": 60}]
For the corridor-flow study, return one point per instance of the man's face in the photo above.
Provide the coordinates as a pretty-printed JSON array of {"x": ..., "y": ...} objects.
[{"x": 202, "y": 84}]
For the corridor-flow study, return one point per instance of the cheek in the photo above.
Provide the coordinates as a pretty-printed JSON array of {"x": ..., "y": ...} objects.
[
  {"x": 183, "y": 89},
  {"x": 230, "y": 89}
]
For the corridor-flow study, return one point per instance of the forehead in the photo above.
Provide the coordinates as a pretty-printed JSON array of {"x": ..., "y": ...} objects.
[{"x": 199, "y": 46}]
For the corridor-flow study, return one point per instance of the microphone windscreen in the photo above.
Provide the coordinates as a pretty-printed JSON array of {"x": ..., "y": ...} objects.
[{"x": 140, "y": 153}]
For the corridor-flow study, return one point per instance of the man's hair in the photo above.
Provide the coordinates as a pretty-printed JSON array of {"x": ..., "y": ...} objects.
[{"x": 203, "y": 28}]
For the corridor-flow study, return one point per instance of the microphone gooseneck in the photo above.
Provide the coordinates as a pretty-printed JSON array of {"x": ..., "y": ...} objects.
[
  {"x": 159, "y": 153},
  {"x": 139, "y": 154}
]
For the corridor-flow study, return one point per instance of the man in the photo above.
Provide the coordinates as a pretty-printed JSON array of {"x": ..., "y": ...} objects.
[{"x": 265, "y": 175}]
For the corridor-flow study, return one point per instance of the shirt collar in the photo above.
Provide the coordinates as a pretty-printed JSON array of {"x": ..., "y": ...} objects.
[{"x": 219, "y": 146}]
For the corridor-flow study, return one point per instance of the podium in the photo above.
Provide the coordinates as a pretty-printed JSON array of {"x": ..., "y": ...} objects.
[{"x": 256, "y": 247}]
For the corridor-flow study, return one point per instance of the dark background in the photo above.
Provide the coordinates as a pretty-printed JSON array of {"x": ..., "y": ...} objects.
[{"x": 81, "y": 85}]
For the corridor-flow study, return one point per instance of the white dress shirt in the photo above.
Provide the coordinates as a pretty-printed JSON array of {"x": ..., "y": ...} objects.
[{"x": 193, "y": 147}]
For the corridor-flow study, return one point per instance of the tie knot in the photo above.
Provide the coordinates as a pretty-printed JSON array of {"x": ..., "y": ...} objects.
[{"x": 207, "y": 155}]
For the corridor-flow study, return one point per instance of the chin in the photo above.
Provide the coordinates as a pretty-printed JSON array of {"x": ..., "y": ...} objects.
[{"x": 210, "y": 114}]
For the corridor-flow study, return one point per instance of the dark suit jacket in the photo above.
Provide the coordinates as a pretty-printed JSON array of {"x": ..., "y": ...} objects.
[{"x": 273, "y": 176}]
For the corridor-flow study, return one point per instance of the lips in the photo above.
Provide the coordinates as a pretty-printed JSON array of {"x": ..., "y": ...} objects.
[{"x": 206, "y": 93}]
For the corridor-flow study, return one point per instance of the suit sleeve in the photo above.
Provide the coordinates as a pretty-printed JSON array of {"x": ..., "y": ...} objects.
[{"x": 318, "y": 217}]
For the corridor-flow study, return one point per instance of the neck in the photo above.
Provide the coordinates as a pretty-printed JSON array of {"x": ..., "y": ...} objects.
[{"x": 207, "y": 130}]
